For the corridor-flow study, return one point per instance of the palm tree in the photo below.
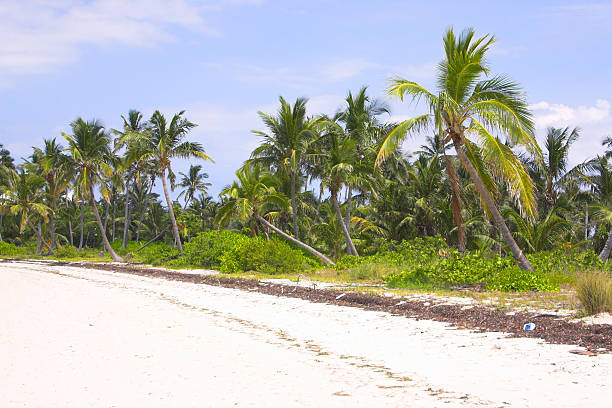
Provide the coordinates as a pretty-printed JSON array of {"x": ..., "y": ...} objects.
[
  {"x": 469, "y": 102},
  {"x": 163, "y": 143},
  {"x": 250, "y": 197},
  {"x": 360, "y": 124},
  {"x": 23, "y": 196},
  {"x": 193, "y": 182},
  {"x": 91, "y": 157},
  {"x": 51, "y": 164},
  {"x": 132, "y": 125},
  {"x": 339, "y": 163},
  {"x": 600, "y": 181},
  {"x": 285, "y": 147}
]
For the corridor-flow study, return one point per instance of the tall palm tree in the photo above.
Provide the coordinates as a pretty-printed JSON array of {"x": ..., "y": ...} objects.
[
  {"x": 339, "y": 163},
  {"x": 360, "y": 124},
  {"x": 164, "y": 142},
  {"x": 250, "y": 197},
  {"x": 51, "y": 164},
  {"x": 553, "y": 170},
  {"x": 23, "y": 196},
  {"x": 470, "y": 103},
  {"x": 193, "y": 182},
  {"x": 132, "y": 125},
  {"x": 91, "y": 156},
  {"x": 285, "y": 146}
]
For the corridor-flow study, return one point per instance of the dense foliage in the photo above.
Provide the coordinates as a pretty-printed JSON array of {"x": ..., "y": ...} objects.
[{"x": 334, "y": 190}]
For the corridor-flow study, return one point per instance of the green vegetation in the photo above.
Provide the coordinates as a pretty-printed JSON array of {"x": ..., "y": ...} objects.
[{"x": 479, "y": 205}]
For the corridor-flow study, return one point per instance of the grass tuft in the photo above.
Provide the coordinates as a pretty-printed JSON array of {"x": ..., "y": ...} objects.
[{"x": 594, "y": 290}]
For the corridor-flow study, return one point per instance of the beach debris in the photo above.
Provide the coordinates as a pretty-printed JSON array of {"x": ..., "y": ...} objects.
[
  {"x": 529, "y": 326},
  {"x": 400, "y": 303},
  {"x": 340, "y": 296},
  {"x": 583, "y": 352}
]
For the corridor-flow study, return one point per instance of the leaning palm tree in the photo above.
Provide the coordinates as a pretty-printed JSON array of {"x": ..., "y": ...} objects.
[
  {"x": 163, "y": 143},
  {"x": 91, "y": 156},
  {"x": 193, "y": 182},
  {"x": 599, "y": 179},
  {"x": 285, "y": 146},
  {"x": 471, "y": 104},
  {"x": 23, "y": 196},
  {"x": 250, "y": 197}
]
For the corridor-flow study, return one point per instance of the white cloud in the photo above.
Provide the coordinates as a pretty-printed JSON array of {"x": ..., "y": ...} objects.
[
  {"x": 594, "y": 121},
  {"x": 549, "y": 114},
  {"x": 40, "y": 34},
  {"x": 344, "y": 69}
]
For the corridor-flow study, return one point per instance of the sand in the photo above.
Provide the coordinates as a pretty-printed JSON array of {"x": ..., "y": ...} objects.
[{"x": 82, "y": 337}]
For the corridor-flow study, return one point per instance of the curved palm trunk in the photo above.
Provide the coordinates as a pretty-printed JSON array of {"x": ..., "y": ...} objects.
[
  {"x": 40, "y": 238},
  {"x": 456, "y": 203},
  {"x": 347, "y": 235},
  {"x": 518, "y": 254},
  {"x": 295, "y": 241},
  {"x": 70, "y": 233},
  {"x": 349, "y": 201},
  {"x": 296, "y": 230},
  {"x": 175, "y": 230},
  {"x": 126, "y": 217},
  {"x": 112, "y": 253},
  {"x": 605, "y": 252}
]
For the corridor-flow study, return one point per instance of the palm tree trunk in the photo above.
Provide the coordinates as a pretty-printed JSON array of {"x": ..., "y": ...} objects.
[
  {"x": 112, "y": 253},
  {"x": 605, "y": 252},
  {"x": 349, "y": 200},
  {"x": 114, "y": 217},
  {"x": 175, "y": 230},
  {"x": 456, "y": 203},
  {"x": 1, "y": 219},
  {"x": 347, "y": 235},
  {"x": 296, "y": 230},
  {"x": 145, "y": 204},
  {"x": 70, "y": 233},
  {"x": 40, "y": 239},
  {"x": 518, "y": 254},
  {"x": 39, "y": 236},
  {"x": 52, "y": 223},
  {"x": 295, "y": 241},
  {"x": 126, "y": 217},
  {"x": 586, "y": 223},
  {"x": 82, "y": 225}
]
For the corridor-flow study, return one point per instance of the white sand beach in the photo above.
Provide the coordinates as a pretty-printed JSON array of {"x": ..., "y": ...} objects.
[{"x": 75, "y": 337}]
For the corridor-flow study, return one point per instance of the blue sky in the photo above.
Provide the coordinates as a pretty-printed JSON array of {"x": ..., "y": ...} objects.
[{"x": 222, "y": 61}]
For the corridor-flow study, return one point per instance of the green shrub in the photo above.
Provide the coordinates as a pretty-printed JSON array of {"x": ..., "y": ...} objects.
[
  {"x": 514, "y": 279},
  {"x": 67, "y": 252},
  {"x": 594, "y": 291},
  {"x": 257, "y": 254},
  {"x": 7, "y": 249},
  {"x": 206, "y": 248}
]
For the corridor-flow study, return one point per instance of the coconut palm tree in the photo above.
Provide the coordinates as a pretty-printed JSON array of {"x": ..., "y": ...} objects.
[
  {"x": 193, "y": 182},
  {"x": 164, "y": 142},
  {"x": 285, "y": 146},
  {"x": 23, "y": 197},
  {"x": 339, "y": 163},
  {"x": 250, "y": 197},
  {"x": 132, "y": 125},
  {"x": 599, "y": 179},
  {"x": 51, "y": 164},
  {"x": 360, "y": 124},
  {"x": 469, "y": 103},
  {"x": 90, "y": 156}
]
